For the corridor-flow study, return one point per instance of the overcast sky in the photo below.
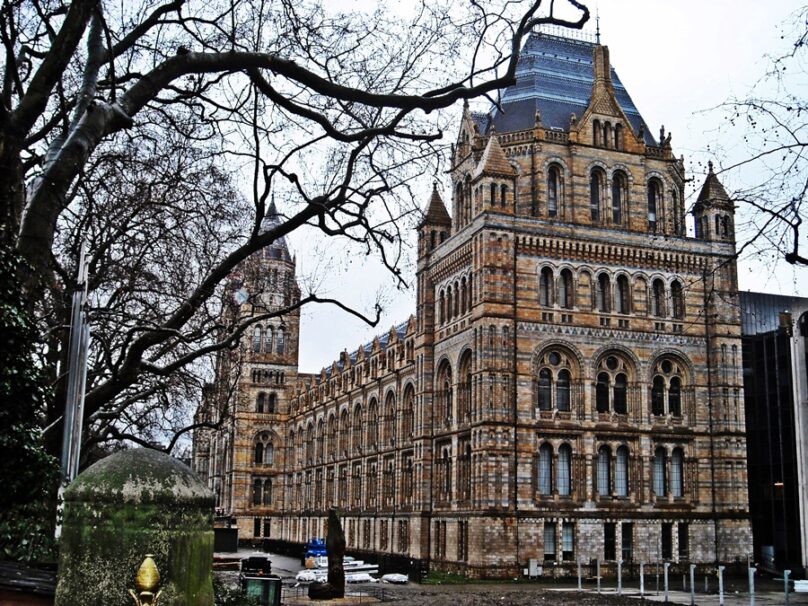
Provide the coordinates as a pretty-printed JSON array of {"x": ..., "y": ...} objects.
[{"x": 677, "y": 58}]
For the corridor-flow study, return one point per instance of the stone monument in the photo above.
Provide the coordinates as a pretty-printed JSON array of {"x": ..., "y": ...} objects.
[
  {"x": 335, "y": 550},
  {"x": 130, "y": 505}
]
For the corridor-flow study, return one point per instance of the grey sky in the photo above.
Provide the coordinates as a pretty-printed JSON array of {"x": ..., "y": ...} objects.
[{"x": 676, "y": 58}]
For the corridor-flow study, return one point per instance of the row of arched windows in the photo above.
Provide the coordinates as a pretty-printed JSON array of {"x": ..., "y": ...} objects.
[
  {"x": 262, "y": 492},
  {"x": 609, "y": 199},
  {"x": 455, "y": 300},
  {"x": 604, "y": 135},
  {"x": 611, "y": 294},
  {"x": 368, "y": 429},
  {"x": 611, "y": 472},
  {"x": 558, "y": 384},
  {"x": 266, "y": 402},
  {"x": 263, "y": 340}
]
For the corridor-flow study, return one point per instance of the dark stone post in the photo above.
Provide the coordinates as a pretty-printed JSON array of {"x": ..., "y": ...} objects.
[{"x": 335, "y": 548}]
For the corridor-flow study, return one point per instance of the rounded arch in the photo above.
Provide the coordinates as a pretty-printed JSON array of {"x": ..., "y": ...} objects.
[
  {"x": 671, "y": 354},
  {"x": 621, "y": 168},
  {"x": 597, "y": 164},
  {"x": 556, "y": 160},
  {"x": 612, "y": 348},
  {"x": 568, "y": 348}
]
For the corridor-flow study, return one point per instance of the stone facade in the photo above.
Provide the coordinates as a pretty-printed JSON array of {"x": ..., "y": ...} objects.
[{"x": 570, "y": 385}]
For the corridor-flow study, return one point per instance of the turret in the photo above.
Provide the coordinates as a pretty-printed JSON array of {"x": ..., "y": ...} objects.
[
  {"x": 714, "y": 212},
  {"x": 434, "y": 228},
  {"x": 492, "y": 185}
]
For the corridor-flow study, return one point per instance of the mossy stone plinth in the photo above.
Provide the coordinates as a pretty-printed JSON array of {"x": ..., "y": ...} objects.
[{"x": 134, "y": 503}]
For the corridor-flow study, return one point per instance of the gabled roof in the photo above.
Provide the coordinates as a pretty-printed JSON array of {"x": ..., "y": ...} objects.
[
  {"x": 554, "y": 76},
  {"x": 436, "y": 212},
  {"x": 494, "y": 161}
]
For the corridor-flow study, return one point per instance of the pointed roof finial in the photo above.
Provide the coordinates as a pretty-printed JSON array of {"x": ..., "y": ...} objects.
[
  {"x": 709, "y": 166},
  {"x": 597, "y": 24}
]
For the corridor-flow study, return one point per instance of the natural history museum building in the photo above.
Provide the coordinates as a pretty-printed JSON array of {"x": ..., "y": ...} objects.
[{"x": 569, "y": 387}]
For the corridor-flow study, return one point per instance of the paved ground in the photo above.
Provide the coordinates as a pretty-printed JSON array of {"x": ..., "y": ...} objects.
[{"x": 768, "y": 591}]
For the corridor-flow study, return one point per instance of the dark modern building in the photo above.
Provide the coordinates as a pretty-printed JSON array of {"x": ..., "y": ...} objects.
[{"x": 775, "y": 336}]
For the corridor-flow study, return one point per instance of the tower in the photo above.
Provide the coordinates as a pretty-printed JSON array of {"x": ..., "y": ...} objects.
[{"x": 243, "y": 458}]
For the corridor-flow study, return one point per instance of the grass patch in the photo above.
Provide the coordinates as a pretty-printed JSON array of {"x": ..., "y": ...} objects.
[{"x": 445, "y": 578}]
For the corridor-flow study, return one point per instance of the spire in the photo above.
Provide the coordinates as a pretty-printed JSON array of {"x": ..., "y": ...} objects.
[
  {"x": 494, "y": 160},
  {"x": 272, "y": 219},
  {"x": 436, "y": 212},
  {"x": 712, "y": 192},
  {"x": 597, "y": 26}
]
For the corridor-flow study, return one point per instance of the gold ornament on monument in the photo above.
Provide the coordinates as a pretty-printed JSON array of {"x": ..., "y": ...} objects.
[{"x": 147, "y": 580}]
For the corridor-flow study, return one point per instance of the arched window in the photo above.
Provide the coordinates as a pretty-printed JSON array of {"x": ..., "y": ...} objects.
[
  {"x": 597, "y": 133},
  {"x": 444, "y": 395},
  {"x": 257, "y": 339},
  {"x": 281, "y": 343},
  {"x": 389, "y": 419},
  {"x": 272, "y": 403},
  {"x": 678, "y": 300},
  {"x": 545, "y": 389},
  {"x": 658, "y": 396},
  {"x": 621, "y": 472},
  {"x": 595, "y": 189},
  {"x": 611, "y": 388},
  {"x": 493, "y": 194},
  {"x": 563, "y": 390},
  {"x": 442, "y": 308},
  {"x": 566, "y": 292},
  {"x": 666, "y": 388},
  {"x": 408, "y": 416},
  {"x": 620, "y": 394},
  {"x": 260, "y": 402},
  {"x": 623, "y": 295},
  {"x": 553, "y": 387},
  {"x": 553, "y": 190},
  {"x": 463, "y": 301},
  {"x": 259, "y": 453},
  {"x": 618, "y": 136},
  {"x": 257, "y": 488},
  {"x": 464, "y": 394},
  {"x": 658, "y": 298},
  {"x": 619, "y": 196},
  {"x": 268, "y": 339},
  {"x": 604, "y": 471},
  {"x": 357, "y": 430},
  {"x": 602, "y": 393},
  {"x": 267, "y": 498},
  {"x": 373, "y": 425},
  {"x": 654, "y": 202},
  {"x": 264, "y": 450},
  {"x": 675, "y": 397},
  {"x": 345, "y": 427},
  {"x": 678, "y": 215},
  {"x": 660, "y": 472},
  {"x": 546, "y": 287},
  {"x": 563, "y": 483},
  {"x": 333, "y": 437},
  {"x": 677, "y": 473},
  {"x": 503, "y": 194},
  {"x": 604, "y": 293},
  {"x": 545, "y": 470}
]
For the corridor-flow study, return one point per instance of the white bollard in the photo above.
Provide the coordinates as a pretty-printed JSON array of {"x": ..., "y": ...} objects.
[
  {"x": 752, "y": 572},
  {"x": 642, "y": 579},
  {"x": 598, "y": 574},
  {"x": 579, "y": 575},
  {"x": 666, "y": 565},
  {"x": 720, "y": 586},
  {"x": 619, "y": 577},
  {"x": 692, "y": 585},
  {"x": 786, "y": 573}
]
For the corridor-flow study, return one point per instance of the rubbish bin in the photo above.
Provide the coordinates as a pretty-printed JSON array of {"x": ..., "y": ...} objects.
[{"x": 266, "y": 589}]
